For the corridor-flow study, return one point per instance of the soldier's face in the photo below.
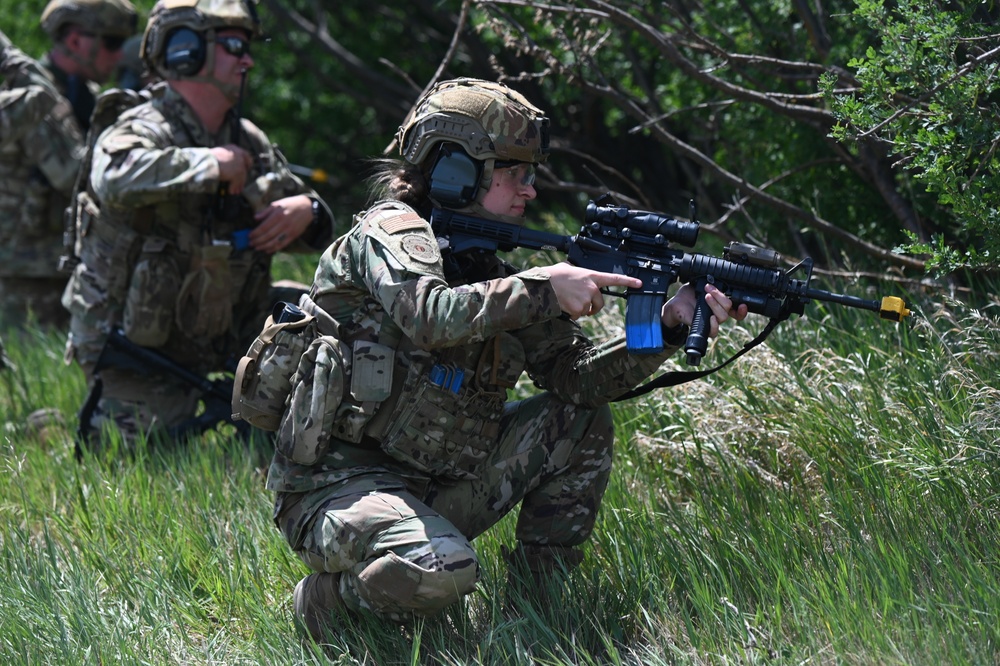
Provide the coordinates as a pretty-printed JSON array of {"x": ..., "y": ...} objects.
[
  {"x": 98, "y": 55},
  {"x": 229, "y": 66},
  {"x": 512, "y": 188}
]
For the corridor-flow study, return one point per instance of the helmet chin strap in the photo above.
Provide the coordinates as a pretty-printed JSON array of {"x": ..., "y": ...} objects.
[{"x": 232, "y": 92}]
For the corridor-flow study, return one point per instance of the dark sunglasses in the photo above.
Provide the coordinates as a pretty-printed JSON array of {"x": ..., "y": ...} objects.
[
  {"x": 110, "y": 42},
  {"x": 234, "y": 46}
]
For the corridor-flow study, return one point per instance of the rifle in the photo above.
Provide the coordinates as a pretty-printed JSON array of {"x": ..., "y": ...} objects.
[
  {"x": 616, "y": 239},
  {"x": 227, "y": 206},
  {"x": 120, "y": 352}
]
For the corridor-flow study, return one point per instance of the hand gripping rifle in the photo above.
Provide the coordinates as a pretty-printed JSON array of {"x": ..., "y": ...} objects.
[
  {"x": 120, "y": 352},
  {"x": 229, "y": 206},
  {"x": 616, "y": 239}
]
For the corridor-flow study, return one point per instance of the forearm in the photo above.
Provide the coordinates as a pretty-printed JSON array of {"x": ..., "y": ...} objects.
[
  {"x": 434, "y": 315},
  {"x": 141, "y": 177},
  {"x": 561, "y": 359}
]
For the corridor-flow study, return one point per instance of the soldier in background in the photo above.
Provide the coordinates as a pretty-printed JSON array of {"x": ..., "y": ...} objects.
[
  {"x": 185, "y": 205},
  {"x": 20, "y": 110},
  {"x": 389, "y": 463},
  {"x": 38, "y": 168}
]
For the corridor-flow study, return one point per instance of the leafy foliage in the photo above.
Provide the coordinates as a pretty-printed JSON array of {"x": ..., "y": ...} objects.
[{"x": 927, "y": 89}]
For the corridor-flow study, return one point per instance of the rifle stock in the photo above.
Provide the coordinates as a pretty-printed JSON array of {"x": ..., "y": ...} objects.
[
  {"x": 615, "y": 239},
  {"x": 120, "y": 352}
]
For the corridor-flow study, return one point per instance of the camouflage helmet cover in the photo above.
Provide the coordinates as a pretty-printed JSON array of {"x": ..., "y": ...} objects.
[
  {"x": 198, "y": 15},
  {"x": 488, "y": 119},
  {"x": 117, "y": 18}
]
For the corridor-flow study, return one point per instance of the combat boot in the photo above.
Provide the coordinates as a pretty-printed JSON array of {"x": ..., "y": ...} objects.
[
  {"x": 317, "y": 603},
  {"x": 48, "y": 426}
]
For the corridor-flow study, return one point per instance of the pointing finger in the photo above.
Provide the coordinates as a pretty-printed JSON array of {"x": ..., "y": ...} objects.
[{"x": 615, "y": 280}]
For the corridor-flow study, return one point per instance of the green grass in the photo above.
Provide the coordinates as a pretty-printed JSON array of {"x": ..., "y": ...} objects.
[{"x": 830, "y": 498}]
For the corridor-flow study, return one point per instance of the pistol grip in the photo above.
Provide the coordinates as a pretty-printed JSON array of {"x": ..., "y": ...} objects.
[
  {"x": 701, "y": 323},
  {"x": 643, "y": 330}
]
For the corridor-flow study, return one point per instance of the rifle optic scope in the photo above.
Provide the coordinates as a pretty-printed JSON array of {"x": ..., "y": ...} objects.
[{"x": 627, "y": 222}]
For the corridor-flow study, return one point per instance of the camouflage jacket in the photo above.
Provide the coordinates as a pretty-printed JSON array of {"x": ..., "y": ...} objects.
[
  {"x": 41, "y": 145},
  {"x": 385, "y": 282},
  {"x": 158, "y": 256}
]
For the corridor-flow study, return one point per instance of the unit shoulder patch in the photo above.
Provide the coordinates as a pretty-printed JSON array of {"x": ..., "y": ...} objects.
[
  {"x": 407, "y": 236},
  {"x": 420, "y": 247}
]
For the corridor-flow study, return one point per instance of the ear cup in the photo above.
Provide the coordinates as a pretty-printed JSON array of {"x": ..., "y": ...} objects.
[
  {"x": 455, "y": 177},
  {"x": 184, "y": 52}
]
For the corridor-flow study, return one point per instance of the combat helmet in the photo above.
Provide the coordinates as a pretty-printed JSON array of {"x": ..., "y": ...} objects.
[
  {"x": 488, "y": 119},
  {"x": 201, "y": 18},
  {"x": 113, "y": 18},
  {"x": 461, "y": 130}
]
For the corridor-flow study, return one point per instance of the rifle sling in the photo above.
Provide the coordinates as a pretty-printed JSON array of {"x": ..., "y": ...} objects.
[
  {"x": 84, "y": 417},
  {"x": 682, "y": 377}
]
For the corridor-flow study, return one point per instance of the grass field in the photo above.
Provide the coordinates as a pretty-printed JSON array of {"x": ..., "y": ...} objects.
[{"x": 831, "y": 498}]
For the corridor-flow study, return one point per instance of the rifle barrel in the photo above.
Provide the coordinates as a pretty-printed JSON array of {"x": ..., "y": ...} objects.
[{"x": 843, "y": 299}]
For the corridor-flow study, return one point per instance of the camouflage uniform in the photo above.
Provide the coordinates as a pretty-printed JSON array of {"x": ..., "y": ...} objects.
[
  {"x": 20, "y": 109},
  {"x": 397, "y": 526},
  {"x": 39, "y": 168},
  {"x": 42, "y": 144},
  {"x": 158, "y": 261}
]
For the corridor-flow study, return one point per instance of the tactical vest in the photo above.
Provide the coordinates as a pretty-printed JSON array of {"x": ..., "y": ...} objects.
[{"x": 361, "y": 381}]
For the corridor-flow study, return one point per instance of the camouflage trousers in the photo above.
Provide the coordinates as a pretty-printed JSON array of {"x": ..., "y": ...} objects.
[
  {"x": 140, "y": 405},
  {"x": 41, "y": 297},
  {"x": 403, "y": 549}
]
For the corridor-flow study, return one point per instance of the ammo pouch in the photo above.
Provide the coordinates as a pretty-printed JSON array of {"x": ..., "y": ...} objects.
[
  {"x": 317, "y": 391},
  {"x": 152, "y": 289},
  {"x": 441, "y": 427},
  {"x": 263, "y": 378},
  {"x": 204, "y": 305}
]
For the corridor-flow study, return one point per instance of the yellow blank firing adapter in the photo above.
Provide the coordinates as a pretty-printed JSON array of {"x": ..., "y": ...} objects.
[
  {"x": 893, "y": 309},
  {"x": 316, "y": 175}
]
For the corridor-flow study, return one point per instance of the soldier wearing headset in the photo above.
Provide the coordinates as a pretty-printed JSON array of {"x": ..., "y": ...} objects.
[{"x": 185, "y": 205}]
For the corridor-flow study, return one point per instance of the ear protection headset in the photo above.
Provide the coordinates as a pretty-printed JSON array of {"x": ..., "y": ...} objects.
[
  {"x": 455, "y": 177},
  {"x": 184, "y": 52}
]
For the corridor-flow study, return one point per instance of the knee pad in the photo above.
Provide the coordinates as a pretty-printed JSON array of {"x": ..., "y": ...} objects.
[{"x": 419, "y": 582}]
